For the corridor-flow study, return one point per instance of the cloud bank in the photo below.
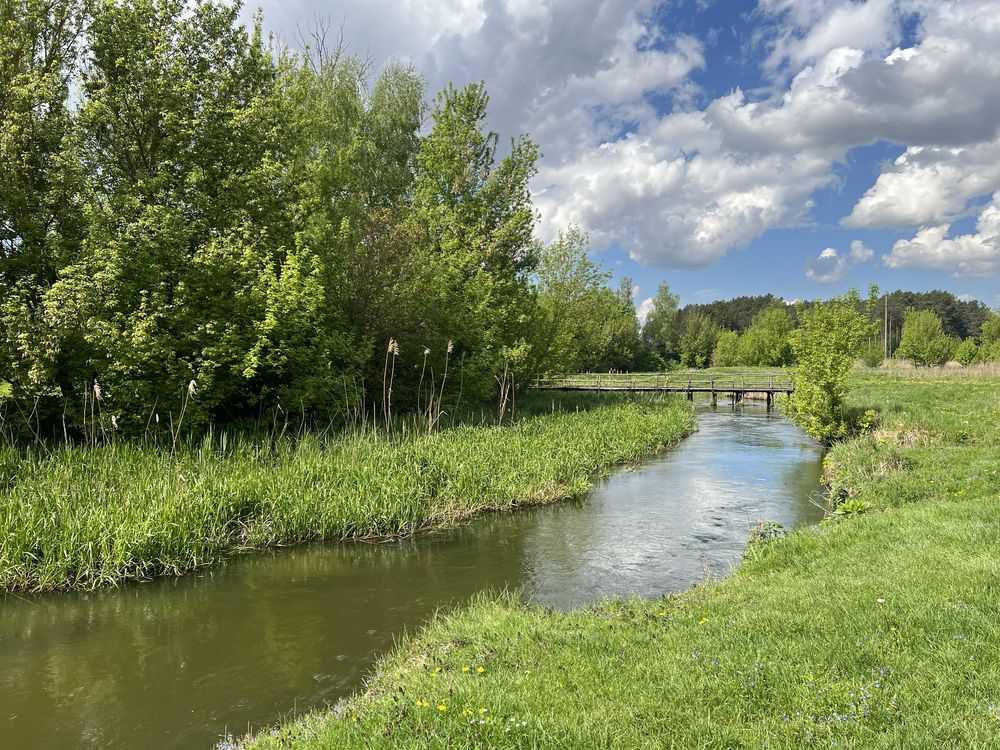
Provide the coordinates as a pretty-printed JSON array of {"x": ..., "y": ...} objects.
[{"x": 637, "y": 156}]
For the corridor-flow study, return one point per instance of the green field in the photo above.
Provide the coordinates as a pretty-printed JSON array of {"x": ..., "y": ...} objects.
[
  {"x": 878, "y": 629},
  {"x": 88, "y": 516}
]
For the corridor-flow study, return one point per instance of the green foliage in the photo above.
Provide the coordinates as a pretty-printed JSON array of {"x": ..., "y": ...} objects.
[
  {"x": 698, "y": 340},
  {"x": 736, "y": 314},
  {"x": 989, "y": 342},
  {"x": 967, "y": 352},
  {"x": 924, "y": 340},
  {"x": 872, "y": 355},
  {"x": 580, "y": 324},
  {"x": 727, "y": 350},
  {"x": 825, "y": 347},
  {"x": 765, "y": 343},
  {"x": 659, "y": 332}
]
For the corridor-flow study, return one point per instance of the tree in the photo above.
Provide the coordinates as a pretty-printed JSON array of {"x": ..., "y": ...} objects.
[
  {"x": 474, "y": 224},
  {"x": 41, "y": 215},
  {"x": 924, "y": 340},
  {"x": 727, "y": 350},
  {"x": 659, "y": 333},
  {"x": 698, "y": 341},
  {"x": 765, "y": 342},
  {"x": 989, "y": 341},
  {"x": 967, "y": 352},
  {"x": 569, "y": 315},
  {"x": 825, "y": 346}
]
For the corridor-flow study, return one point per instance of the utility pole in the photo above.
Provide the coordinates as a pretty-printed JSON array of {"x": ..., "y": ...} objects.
[{"x": 886, "y": 336}]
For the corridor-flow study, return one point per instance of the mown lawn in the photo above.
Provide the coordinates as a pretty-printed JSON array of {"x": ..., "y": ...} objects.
[{"x": 881, "y": 629}]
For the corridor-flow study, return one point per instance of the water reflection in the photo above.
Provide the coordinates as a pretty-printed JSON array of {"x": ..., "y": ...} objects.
[{"x": 176, "y": 663}]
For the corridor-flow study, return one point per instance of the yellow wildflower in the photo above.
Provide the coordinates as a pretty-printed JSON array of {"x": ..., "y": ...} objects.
[
  {"x": 465, "y": 669},
  {"x": 703, "y": 620},
  {"x": 422, "y": 703},
  {"x": 442, "y": 707},
  {"x": 480, "y": 669}
]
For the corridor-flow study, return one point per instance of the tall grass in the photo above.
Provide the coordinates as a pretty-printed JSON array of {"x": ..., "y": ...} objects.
[{"x": 85, "y": 516}]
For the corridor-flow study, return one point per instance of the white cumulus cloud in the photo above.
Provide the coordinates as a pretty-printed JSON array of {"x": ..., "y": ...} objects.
[
  {"x": 679, "y": 185},
  {"x": 831, "y": 266},
  {"x": 976, "y": 254}
]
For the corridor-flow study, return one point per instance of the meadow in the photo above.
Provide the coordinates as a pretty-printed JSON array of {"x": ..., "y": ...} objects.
[
  {"x": 77, "y": 516},
  {"x": 876, "y": 629}
]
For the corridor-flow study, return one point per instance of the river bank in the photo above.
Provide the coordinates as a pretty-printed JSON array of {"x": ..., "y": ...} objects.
[
  {"x": 77, "y": 517},
  {"x": 876, "y": 631}
]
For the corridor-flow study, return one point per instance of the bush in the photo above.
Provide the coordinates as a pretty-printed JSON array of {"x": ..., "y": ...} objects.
[
  {"x": 967, "y": 352},
  {"x": 872, "y": 355},
  {"x": 924, "y": 340}
]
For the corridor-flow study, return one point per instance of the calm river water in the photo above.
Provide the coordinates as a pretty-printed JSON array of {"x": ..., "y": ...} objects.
[{"x": 177, "y": 663}]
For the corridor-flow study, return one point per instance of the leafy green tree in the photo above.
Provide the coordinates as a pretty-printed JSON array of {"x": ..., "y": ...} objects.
[
  {"x": 967, "y": 352},
  {"x": 623, "y": 332},
  {"x": 569, "y": 317},
  {"x": 698, "y": 341},
  {"x": 41, "y": 214},
  {"x": 765, "y": 342},
  {"x": 825, "y": 346},
  {"x": 474, "y": 224},
  {"x": 659, "y": 333},
  {"x": 924, "y": 340},
  {"x": 727, "y": 350},
  {"x": 989, "y": 340}
]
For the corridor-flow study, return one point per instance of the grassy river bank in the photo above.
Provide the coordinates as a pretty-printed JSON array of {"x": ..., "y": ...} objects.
[
  {"x": 877, "y": 630},
  {"x": 81, "y": 517}
]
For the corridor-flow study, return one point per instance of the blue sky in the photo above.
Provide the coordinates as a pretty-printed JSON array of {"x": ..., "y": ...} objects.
[{"x": 730, "y": 147}]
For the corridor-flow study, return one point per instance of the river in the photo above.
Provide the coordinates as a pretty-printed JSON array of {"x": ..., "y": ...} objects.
[{"x": 177, "y": 663}]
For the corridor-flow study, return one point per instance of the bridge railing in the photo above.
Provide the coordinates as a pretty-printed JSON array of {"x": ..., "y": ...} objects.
[{"x": 668, "y": 381}]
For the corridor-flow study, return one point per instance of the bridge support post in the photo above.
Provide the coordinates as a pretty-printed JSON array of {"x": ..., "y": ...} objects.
[
  {"x": 690, "y": 395},
  {"x": 714, "y": 399},
  {"x": 770, "y": 400}
]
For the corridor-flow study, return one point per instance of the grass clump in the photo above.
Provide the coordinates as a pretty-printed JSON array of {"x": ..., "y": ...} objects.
[
  {"x": 88, "y": 516},
  {"x": 877, "y": 630}
]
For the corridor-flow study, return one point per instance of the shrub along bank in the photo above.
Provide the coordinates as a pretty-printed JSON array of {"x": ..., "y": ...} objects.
[
  {"x": 87, "y": 516},
  {"x": 877, "y": 630}
]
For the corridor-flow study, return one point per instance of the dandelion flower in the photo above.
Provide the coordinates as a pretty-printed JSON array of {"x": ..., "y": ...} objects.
[
  {"x": 480, "y": 669},
  {"x": 422, "y": 703},
  {"x": 436, "y": 670},
  {"x": 465, "y": 669},
  {"x": 703, "y": 620},
  {"x": 442, "y": 708}
]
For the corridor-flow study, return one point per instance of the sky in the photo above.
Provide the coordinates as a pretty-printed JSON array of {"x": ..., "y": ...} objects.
[{"x": 730, "y": 147}]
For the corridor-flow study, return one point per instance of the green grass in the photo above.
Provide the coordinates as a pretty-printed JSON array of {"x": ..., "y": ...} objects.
[
  {"x": 85, "y": 517},
  {"x": 876, "y": 630}
]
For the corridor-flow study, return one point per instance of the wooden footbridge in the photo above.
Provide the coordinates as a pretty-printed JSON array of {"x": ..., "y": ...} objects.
[{"x": 735, "y": 386}]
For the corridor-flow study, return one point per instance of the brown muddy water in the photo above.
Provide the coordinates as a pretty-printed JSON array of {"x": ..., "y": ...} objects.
[{"x": 181, "y": 663}]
